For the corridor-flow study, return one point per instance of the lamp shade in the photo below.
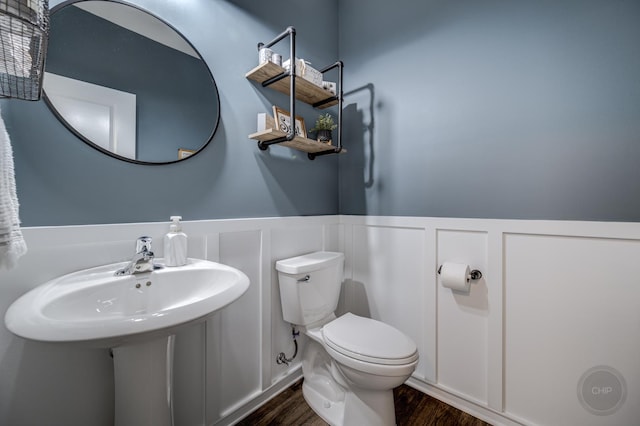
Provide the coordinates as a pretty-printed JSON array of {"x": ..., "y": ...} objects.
[{"x": 24, "y": 28}]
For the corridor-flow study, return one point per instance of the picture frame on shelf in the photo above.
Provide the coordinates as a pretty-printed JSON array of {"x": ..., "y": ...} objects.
[
  {"x": 184, "y": 153},
  {"x": 283, "y": 122}
]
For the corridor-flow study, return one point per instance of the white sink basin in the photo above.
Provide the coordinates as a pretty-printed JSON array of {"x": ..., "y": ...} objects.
[{"x": 94, "y": 305}]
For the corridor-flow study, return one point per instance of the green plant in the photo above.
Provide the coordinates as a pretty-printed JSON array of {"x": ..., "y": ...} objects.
[{"x": 324, "y": 122}]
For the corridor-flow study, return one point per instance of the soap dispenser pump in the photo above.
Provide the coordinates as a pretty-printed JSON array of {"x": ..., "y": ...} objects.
[{"x": 175, "y": 244}]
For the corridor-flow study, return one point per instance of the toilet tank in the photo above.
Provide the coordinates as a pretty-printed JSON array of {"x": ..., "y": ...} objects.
[{"x": 310, "y": 286}]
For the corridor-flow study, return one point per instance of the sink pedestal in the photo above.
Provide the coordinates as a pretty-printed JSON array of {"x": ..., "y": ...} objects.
[
  {"x": 101, "y": 308},
  {"x": 143, "y": 375}
]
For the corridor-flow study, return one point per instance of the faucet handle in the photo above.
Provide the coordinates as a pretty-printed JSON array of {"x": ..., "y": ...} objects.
[{"x": 143, "y": 244}]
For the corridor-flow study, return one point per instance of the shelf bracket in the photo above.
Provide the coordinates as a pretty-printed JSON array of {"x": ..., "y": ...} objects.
[
  {"x": 325, "y": 101},
  {"x": 275, "y": 79},
  {"x": 264, "y": 145},
  {"x": 313, "y": 155}
]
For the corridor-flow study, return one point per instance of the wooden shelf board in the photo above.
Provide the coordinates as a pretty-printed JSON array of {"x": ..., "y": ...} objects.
[
  {"x": 305, "y": 90},
  {"x": 299, "y": 143}
]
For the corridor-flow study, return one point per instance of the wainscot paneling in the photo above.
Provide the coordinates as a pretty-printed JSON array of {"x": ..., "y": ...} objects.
[
  {"x": 234, "y": 342},
  {"x": 387, "y": 279},
  {"x": 572, "y": 305},
  {"x": 223, "y": 368},
  {"x": 462, "y": 317},
  {"x": 548, "y": 336}
]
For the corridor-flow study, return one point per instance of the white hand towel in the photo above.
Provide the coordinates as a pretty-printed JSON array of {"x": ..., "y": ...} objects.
[{"x": 12, "y": 244}]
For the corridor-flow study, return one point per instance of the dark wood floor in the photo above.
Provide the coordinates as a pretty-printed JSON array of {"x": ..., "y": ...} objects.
[{"x": 413, "y": 408}]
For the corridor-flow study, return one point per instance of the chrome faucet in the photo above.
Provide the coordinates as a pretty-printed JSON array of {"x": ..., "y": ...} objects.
[{"x": 142, "y": 261}]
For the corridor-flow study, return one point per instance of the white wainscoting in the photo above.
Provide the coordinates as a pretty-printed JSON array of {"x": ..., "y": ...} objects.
[
  {"x": 223, "y": 368},
  {"x": 580, "y": 309},
  {"x": 463, "y": 317},
  {"x": 556, "y": 299}
]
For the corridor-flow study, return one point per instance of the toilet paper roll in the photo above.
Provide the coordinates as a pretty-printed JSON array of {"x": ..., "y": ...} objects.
[{"x": 455, "y": 276}]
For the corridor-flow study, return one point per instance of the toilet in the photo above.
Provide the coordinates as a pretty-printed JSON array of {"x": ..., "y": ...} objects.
[{"x": 351, "y": 363}]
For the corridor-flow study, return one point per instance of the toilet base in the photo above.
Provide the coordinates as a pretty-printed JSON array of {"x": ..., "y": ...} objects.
[
  {"x": 337, "y": 397},
  {"x": 369, "y": 407},
  {"x": 331, "y": 412},
  {"x": 362, "y": 407}
]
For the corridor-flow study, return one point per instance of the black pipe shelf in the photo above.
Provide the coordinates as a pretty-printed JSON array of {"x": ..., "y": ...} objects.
[
  {"x": 286, "y": 81},
  {"x": 302, "y": 144},
  {"x": 306, "y": 91}
]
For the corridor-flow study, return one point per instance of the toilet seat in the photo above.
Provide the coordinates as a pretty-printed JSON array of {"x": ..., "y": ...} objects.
[{"x": 365, "y": 340}]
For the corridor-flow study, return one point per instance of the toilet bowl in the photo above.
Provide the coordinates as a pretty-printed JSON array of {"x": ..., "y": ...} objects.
[{"x": 351, "y": 363}]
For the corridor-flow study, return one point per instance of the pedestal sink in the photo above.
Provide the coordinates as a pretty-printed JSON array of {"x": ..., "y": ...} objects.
[{"x": 135, "y": 315}]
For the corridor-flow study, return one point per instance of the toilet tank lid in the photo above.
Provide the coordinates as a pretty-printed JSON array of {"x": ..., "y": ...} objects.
[{"x": 309, "y": 262}]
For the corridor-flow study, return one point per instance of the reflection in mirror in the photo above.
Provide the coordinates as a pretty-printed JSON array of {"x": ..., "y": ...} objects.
[{"x": 127, "y": 83}]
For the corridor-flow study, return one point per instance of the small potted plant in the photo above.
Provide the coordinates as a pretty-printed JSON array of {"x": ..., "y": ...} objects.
[{"x": 324, "y": 127}]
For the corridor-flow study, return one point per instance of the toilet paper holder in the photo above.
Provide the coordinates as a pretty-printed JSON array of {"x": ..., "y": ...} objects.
[{"x": 473, "y": 275}]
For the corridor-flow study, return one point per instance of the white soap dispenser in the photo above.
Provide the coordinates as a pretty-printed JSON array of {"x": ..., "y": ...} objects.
[{"x": 175, "y": 244}]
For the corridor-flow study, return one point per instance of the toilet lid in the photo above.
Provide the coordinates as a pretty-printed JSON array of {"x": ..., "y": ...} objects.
[{"x": 369, "y": 340}]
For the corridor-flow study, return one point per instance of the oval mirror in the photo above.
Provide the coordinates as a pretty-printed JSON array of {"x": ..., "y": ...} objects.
[{"x": 127, "y": 83}]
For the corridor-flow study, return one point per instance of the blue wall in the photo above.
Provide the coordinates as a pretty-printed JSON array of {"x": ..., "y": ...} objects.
[
  {"x": 61, "y": 180},
  {"x": 492, "y": 109},
  {"x": 496, "y": 109}
]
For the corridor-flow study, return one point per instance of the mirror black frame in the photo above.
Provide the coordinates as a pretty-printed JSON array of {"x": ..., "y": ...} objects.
[{"x": 57, "y": 114}]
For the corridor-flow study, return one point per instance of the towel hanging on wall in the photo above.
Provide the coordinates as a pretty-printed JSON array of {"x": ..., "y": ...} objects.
[{"x": 12, "y": 244}]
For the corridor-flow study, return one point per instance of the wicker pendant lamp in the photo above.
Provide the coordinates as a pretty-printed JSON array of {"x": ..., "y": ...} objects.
[{"x": 24, "y": 32}]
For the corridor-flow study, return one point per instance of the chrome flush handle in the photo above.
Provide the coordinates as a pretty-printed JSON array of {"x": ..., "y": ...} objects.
[{"x": 304, "y": 279}]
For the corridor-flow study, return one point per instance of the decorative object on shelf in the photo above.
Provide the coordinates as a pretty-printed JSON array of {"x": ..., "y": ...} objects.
[
  {"x": 276, "y": 58},
  {"x": 184, "y": 153},
  {"x": 265, "y": 121},
  {"x": 305, "y": 70},
  {"x": 265, "y": 55},
  {"x": 283, "y": 122},
  {"x": 324, "y": 128},
  {"x": 24, "y": 33},
  {"x": 330, "y": 86}
]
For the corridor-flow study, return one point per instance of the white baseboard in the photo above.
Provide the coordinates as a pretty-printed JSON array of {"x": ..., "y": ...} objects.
[{"x": 483, "y": 413}]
